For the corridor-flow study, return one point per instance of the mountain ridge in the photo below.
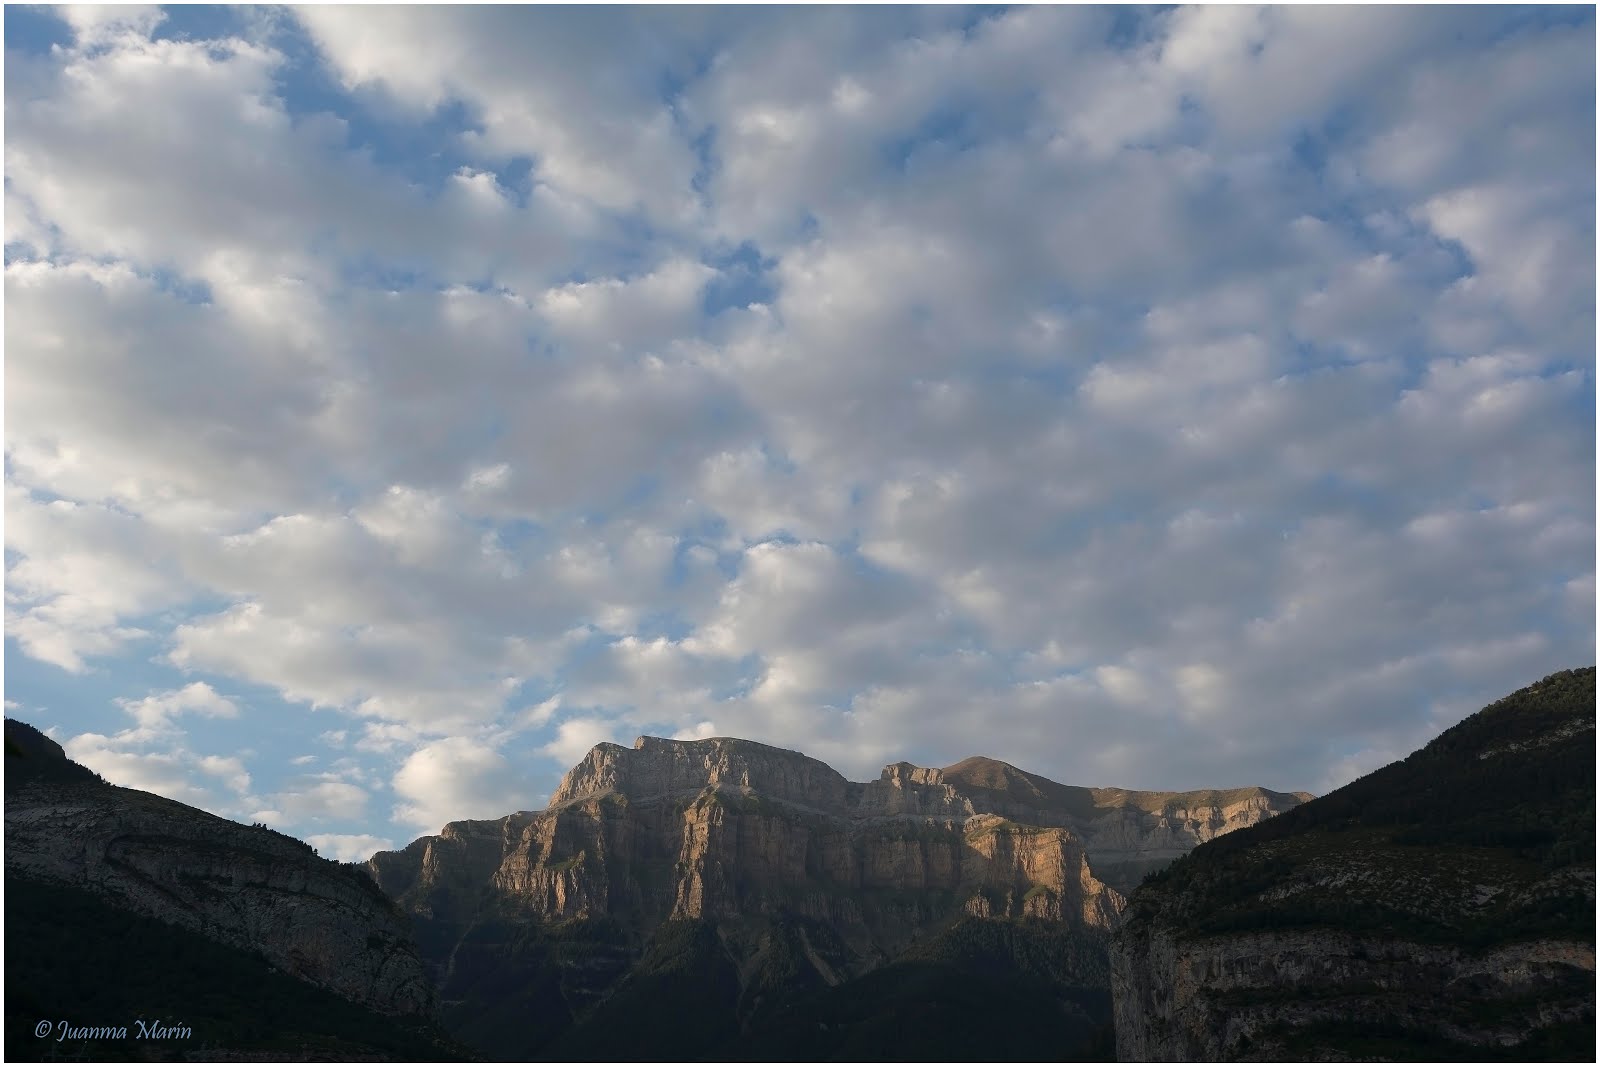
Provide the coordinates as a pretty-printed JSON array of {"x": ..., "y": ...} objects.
[
  {"x": 262, "y": 946},
  {"x": 1441, "y": 907},
  {"x": 764, "y": 873}
]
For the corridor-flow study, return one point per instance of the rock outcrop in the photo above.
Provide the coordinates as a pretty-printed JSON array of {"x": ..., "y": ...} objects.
[
  {"x": 747, "y": 840},
  {"x": 676, "y": 829},
  {"x": 684, "y": 829},
  {"x": 247, "y": 887},
  {"x": 1127, "y": 833},
  {"x": 1440, "y": 908}
]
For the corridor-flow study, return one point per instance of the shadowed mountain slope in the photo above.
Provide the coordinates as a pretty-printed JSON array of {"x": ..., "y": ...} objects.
[
  {"x": 1439, "y": 908},
  {"x": 121, "y": 905}
]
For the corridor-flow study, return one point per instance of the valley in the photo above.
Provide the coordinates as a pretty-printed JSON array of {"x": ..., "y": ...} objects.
[{"x": 723, "y": 899}]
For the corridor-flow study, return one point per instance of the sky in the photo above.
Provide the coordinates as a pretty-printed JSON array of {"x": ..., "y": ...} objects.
[{"x": 398, "y": 402}]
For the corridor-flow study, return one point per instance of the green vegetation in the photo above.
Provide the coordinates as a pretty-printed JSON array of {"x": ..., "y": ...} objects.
[
  {"x": 31, "y": 756},
  {"x": 1482, "y": 839},
  {"x": 1064, "y": 955},
  {"x": 679, "y": 1002},
  {"x": 72, "y": 956},
  {"x": 983, "y": 990},
  {"x": 1563, "y": 1042},
  {"x": 515, "y": 987},
  {"x": 1506, "y": 797},
  {"x": 1008, "y": 826}
]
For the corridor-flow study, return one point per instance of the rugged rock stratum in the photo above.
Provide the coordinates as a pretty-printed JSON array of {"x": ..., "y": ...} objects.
[
  {"x": 1442, "y": 908},
  {"x": 684, "y": 829},
  {"x": 246, "y": 887},
  {"x": 673, "y": 829},
  {"x": 766, "y": 846}
]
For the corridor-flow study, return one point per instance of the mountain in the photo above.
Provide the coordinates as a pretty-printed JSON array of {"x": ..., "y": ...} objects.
[
  {"x": 1440, "y": 908},
  {"x": 744, "y": 899},
  {"x": 1127, "y": 833},
  {"x": 240, "y": 935}
]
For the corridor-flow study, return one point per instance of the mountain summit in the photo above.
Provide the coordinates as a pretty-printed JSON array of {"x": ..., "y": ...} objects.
[{"x": 773, "y": 874}]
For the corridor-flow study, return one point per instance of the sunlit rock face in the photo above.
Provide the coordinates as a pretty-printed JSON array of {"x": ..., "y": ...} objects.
[{"x": 722, "y": 827}]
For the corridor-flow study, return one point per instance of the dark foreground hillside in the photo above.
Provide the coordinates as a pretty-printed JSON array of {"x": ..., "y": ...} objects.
[
  {"x": 754, "y": 989},
  {"x": 224, "y": 941},
  {"x": 1440, "y": 908},
  {"x": 1007, "y": 990},
  {"x": 71, "y": 957}
]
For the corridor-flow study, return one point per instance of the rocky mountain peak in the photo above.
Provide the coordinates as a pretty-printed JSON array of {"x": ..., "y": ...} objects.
[
  {"x": 658, "y": 766},
  {"x": 743, "y": 841},
  {"x": 904, "y": 772}
]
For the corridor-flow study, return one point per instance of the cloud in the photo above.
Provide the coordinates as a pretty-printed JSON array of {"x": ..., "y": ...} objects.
[
  {"x": 457, "y": 778},
  {"x": 593, "y": 120},
  {"x": 1161, "y": 399},
  {"x": 229, "y": 769},
  {"x": 316, "y": 799},
  {"x": 348, "y": 848},
  {"x": 98, "y": 24},
  {"x": 154, "y": 754},
  {"x": 171, "y": 771},
  {"x": 77, "y": 571},
  {"x": 154, "y": 713},
  {"x": 575, "y": 737}
]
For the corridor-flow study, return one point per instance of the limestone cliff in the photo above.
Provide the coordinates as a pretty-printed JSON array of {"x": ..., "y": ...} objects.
[
  {"x": 794, "y": 869},
  {"x": 247, "y": 887},
  {"x": 1440, "y": 908},
  {"x": 680, "y": 830},
  {"x": 1127, "y": 833}
]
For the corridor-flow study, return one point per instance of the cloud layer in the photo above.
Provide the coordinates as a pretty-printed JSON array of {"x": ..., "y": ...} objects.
[{"x": 1165, "y": 400}]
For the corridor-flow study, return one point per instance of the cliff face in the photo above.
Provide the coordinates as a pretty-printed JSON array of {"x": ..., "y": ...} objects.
[
  {"x": 684, "y": 829},
  {"x": 687, "y": 830},
  {"x": 246, "y": 887},
  {"x": 783, "y": 859},
  {"x": 1319, "y": 994},
  {"x": 1440, "y": 908},
  {"x": 1127, "y": 832}
]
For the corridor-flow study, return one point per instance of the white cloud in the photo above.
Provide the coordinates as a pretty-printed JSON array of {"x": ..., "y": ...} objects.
[
  {"x": 348, "y": 848},
  {"x": 593, "y": 119},
  {"x": 1148, "y": 398},
  {"x": 310, "y": 800},
  {"x": 154, "y": 713},
  {"x": 229, "y": 769},
  {"x": 170, "y": 771},
  {"x": 76, "y": 572},
  {"x": 575, "y": 737},
  {"x": 97, "y": 24},
  {"x": 699, "y": 731},
  {"x": 457, "y": 778}
]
